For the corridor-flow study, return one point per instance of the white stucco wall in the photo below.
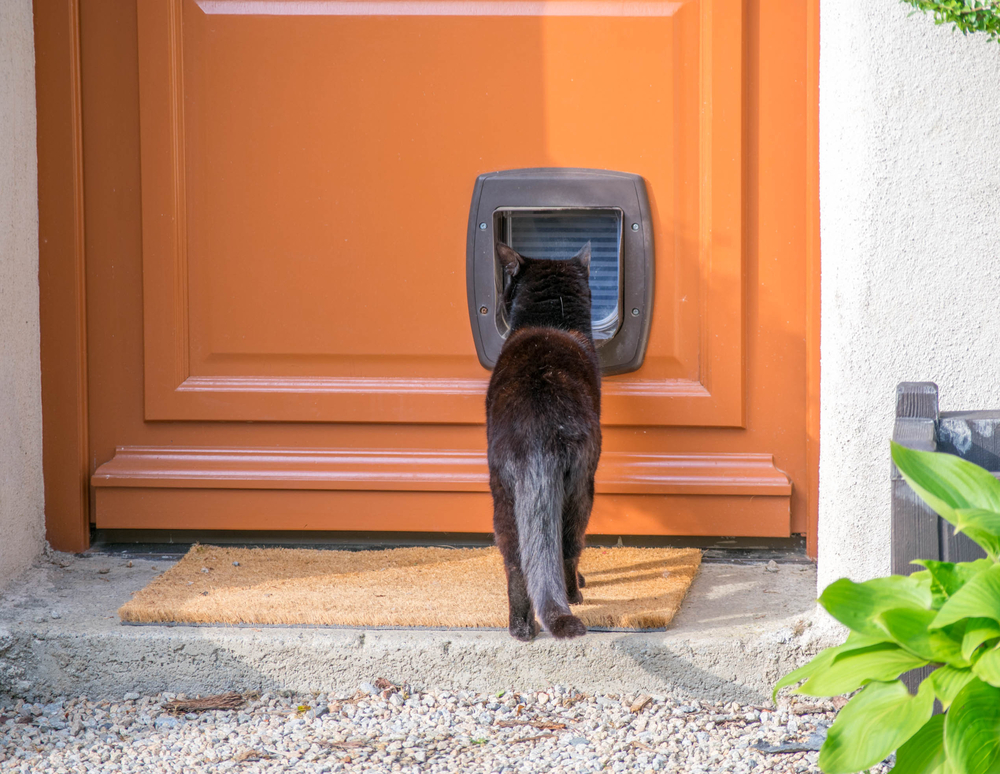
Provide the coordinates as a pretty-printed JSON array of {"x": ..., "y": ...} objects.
[
  {"x": 910, "y": 226},
  {"x": 21, "y": 493}
]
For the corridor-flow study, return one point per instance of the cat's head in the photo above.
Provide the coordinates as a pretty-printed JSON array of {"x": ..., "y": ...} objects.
[{"x": 549, "y": 293}]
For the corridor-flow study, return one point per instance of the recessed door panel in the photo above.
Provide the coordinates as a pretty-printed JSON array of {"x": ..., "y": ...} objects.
[{"x": 307, "y": 169}]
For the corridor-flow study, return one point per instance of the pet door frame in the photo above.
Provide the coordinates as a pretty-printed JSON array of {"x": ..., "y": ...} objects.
[{"x": 563, "y": 190}]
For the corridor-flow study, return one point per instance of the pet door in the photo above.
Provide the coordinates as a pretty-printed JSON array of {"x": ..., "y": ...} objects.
[
  {"x": 552, "y": 213},
  {"x": 558, "y": 234}
]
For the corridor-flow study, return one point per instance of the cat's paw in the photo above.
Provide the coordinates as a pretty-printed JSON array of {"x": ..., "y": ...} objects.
[
  {"x": 580, "y": 580},
  {"x": 576, "y": 599},
  {"x": 567, "y": 626},
  {"x": 524, "y": 631}
]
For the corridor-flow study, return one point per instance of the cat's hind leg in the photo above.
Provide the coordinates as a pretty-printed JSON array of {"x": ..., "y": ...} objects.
[
  {"x": 521, "y": 621},
  {"x": 579, "y": 499},
  {"x": 572, "y": 548},
  {"x": 573, "y": 578}
]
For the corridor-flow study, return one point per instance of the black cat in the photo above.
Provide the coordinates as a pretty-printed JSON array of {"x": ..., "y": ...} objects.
[{"x": 543, "y": 434}]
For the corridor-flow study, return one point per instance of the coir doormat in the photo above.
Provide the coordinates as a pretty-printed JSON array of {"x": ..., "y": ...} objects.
[{"x": 627, "y": 588}]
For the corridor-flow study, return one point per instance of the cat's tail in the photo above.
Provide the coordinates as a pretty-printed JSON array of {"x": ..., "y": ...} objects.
[{"x": 538, "y": 510}]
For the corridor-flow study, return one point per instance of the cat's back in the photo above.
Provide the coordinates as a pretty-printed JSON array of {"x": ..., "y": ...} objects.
[{"x": 545, "y": 374}]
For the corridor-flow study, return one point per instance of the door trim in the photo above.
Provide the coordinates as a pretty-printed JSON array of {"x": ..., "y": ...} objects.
[
  {"x": 348, "y": 510},
  {"x": 813, "y": 294},
  {"x": 415, "y": 470},
  {"x": 62, "y": 274}
]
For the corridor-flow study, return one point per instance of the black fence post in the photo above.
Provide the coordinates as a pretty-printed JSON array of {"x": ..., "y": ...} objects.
[{"x": 915, "y": 533}]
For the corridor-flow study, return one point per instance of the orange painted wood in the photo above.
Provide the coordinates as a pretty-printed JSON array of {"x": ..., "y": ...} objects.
[
  {"x": 272, "y": 264},
  {"x": 777, "y": 101},
  {"x": 62, "y": 285},
  {"x": 420, "y": 470},
  {"x": 813, "y": 293},
  {"x": 294, "y": 288},
  {"x": 268, "y": 509}
]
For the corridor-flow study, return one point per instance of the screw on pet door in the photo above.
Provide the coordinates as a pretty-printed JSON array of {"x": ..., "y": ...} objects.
[{"x": 552, "y": 213}]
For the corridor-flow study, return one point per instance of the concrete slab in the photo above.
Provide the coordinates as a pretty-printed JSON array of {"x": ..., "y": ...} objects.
[{"x": 739, "y": 630}]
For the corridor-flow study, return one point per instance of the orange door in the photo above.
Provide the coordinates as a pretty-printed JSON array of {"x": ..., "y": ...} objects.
[{"x": 276, "y": 199}]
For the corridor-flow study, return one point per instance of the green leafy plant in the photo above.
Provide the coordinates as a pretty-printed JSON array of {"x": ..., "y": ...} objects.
[
  {"x": 967, "y": 15},
  {"x": 946, "y": 616}
]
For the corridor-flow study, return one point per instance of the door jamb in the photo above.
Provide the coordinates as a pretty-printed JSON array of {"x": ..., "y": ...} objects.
[
  {"x": 813, "y": 294},
  {"x": 61, "y": 274}
]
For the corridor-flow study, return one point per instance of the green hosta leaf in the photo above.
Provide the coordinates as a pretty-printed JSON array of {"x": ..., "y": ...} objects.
[
  {"x": 924, "y": 752},
  {"x": 947, "y": 483},
  {"x": 987, "y": 667},
  {"x": 925, "y": 579},
  {"x": 947, "y": 681},
  {"x": 856, "y": 604},
  {"x": 874, "y": 723},
  {"x": 851, "y": 669},
  {"x": 908, "y": 627},
  {"x": 978, "y": 631},
  {"x": 982, "y": 526},
  {"x": 948, "y": 577},
  {"x": 823, "y": 660},
  {"x": 979, "y": 598},
  {"x": 972, "y": 729},
  {"x": 820, "y": 662}
]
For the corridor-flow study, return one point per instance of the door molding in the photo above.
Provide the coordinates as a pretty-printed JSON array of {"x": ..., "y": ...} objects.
[
  {"x": 416, "y": 470},
  {"x": 444, "y": 490}
]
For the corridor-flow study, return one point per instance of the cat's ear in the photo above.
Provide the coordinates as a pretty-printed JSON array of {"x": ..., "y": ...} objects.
[
  {"x": 584, "y": 257},
  {"x": 511, "y": 260}
]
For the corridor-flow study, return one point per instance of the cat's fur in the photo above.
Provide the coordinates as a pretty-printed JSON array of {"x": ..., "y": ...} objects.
[{"x": 544, "y": 439}]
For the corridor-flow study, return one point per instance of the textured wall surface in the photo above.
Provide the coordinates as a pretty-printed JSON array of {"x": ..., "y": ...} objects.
[
  {"x": 21, "y": 519},
  {"x": 910, "y": 211}
]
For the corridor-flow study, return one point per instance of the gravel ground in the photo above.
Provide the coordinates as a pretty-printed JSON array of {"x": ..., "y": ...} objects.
[{"x": 395, "y": 728}]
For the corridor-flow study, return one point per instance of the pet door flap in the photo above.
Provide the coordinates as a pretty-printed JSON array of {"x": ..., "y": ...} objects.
[{"x": 552, "y": 213}]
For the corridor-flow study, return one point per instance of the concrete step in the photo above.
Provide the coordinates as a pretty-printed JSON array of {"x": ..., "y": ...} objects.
[{"x": 740, "y": 628}]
